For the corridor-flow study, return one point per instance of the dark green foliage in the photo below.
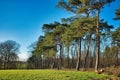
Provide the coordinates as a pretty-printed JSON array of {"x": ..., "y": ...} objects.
[
  {"x": 116, "y": 37},
  {"x": 117, "y": 13},
  {"x": 79, "y": 40}
]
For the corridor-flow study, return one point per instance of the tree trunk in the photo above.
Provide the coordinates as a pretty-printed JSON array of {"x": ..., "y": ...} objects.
[
  {"x": 68, "y": 60},
  {"x": 60, "y": 56},
  {"x": 117, "y": 58},
  {"x": 72, "y": 60},
  {"x": 85, "y": 61},
  {"x": 52, "y": 63},
  {"x": 8, "y": 60},
  {"x": 79, "y": 55},
  {"x": 97, "y": 43},
  {"x": 5, "y": 61}
]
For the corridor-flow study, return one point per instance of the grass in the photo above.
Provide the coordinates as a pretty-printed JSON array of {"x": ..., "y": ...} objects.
[{"x": 49, "y": 75}]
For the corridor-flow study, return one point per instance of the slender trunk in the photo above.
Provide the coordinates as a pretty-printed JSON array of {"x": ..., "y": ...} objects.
[
  {"x": 60, "y": 56},
  {"x": 8, "y": 61},
  {"x": 36, "y": 62},
  {"x": 58, "y": 63},
  {"x": 42, "y": 60},
  {"x": 117, "y": 58},
  {"x": 53, "y": 63},
  {"x": 48, "y": 60},
  {"x": 79, "y": 55},
  {"x": 68, "y": 60},
  {"x": 85, "y": 61},
  {"x": 72, "y": 54},
  {"x": 5, "y": 62},
  {"x": 97, "y": 43}
]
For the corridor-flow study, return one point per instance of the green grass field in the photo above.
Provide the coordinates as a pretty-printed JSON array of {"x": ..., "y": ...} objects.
[{"x": 49, "y": 75}]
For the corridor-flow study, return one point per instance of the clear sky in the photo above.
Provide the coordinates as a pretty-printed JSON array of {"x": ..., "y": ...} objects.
[{"x": 21, "y": 20}]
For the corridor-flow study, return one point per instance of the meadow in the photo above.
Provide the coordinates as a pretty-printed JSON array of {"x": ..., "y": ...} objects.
[{"x": 51, "y": 75}]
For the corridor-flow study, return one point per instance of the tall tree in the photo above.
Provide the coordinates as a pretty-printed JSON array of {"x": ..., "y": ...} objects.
[{"x": 97, "y": 5}]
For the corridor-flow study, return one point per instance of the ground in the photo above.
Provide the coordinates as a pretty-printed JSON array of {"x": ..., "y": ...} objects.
[{"x": 53, "y": 75}]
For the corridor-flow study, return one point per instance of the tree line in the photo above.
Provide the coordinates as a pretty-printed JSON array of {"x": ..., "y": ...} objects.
[{"x": 81, "y": 41}]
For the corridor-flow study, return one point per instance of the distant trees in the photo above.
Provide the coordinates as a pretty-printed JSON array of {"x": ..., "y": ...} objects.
[
  {"x": 111, "y": 56},
  {"x": 8, "y": 53}
]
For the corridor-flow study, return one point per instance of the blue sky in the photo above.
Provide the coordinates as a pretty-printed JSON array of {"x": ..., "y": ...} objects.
[{"x": 21, "y": 20}]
